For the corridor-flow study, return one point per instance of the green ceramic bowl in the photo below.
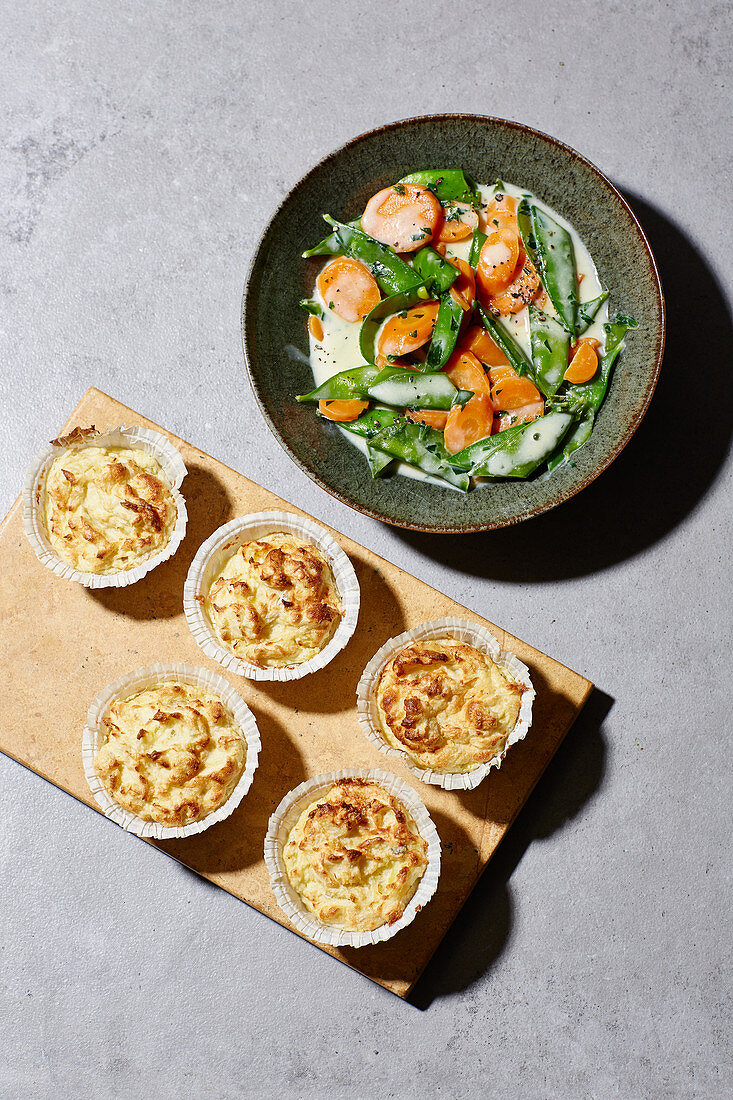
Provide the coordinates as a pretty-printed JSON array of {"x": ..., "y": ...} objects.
[{"x": 274, "y": 325}]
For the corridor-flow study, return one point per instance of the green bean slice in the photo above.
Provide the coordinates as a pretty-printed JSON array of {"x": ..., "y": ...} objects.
[
  {"x": 445, "y": 334},
  {"x": 392, "y": 274},
  {"x": 448, "y": 185},
  {"x": 478, "y": 240},
  {"x": 390, "y": 386},
  {"x": 437, "y": 274},
  {"x": 422, "y": 447},
  {"x": 550, "y": 348},
  {"x": 587, "y": 312},
  {"x": 550, "y": 248},
  {"x": 518, "y": 451}
]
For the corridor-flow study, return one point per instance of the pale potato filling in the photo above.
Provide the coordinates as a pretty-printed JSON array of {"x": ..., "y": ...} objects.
[
  {"x": 107, "y": 509},
  {"x": 355, "y": 856},
  {"x": 446, "y": 704},
  {"x": 172, "y": 753},
  {"x": 275, "y": 602}
]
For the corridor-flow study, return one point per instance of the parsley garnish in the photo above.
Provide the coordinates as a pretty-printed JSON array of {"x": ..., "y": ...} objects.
[{"x": 399, "y": 188}]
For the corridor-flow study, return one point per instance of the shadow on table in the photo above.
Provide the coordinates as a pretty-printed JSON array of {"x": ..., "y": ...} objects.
[
  {"x": 482, "y": 929},
  {"x": 666, "y": 469}
]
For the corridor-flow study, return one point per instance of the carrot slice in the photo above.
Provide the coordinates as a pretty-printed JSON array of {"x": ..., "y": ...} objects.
[
  {"x": 342, "y": 411},
  {"x": 459, "y": 222},
  {"x": 501, "y": 213},
  {"x": 584, "y": 362},
  {"x": 480, "y": 344},
  {"x": 434, "y": 418},
  {"x": 524, "y": 288},
  {"x": 523, "y": 415},
  {"x": 510, "y": 391},
  {"x": 315, "y": 328},
  {"x": 348, "y": 288},
  {"x": 405, "y": 217},
  {"x": 498, "y": 261},
  {"x": 407, "y": 331},
  {"x": 468, "y": 424},
  {"x": 463, "y": 290},
  {"x": 466, "y": 373}
]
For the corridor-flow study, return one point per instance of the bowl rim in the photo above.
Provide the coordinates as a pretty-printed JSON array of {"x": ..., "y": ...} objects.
[{"x": 460, "y": 528}]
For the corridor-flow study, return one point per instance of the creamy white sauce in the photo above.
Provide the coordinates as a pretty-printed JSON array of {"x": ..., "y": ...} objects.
[{"x": 339, "y": 349}]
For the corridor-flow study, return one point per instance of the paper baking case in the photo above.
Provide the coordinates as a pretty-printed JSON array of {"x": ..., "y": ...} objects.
[
  {"x": 140, "y": 680},
  {"x": 463, "y": 630},
  {"x": 285, "y": 817},
  {"x": 225, "y": 542},
  {"x": 134, "y": 437}
]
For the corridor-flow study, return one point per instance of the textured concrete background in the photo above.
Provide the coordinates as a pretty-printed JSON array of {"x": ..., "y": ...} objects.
[{"x": 144, "y": 146}]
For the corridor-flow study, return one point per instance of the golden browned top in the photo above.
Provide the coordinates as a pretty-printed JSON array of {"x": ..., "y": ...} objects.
[
  {"x": 275, "y": 601},
  {"x": 172, "y": 753},
  {"x": 447, "y": 705},
  {"x": 107, "y": 509},
  {"x": 355, "y": 856}
]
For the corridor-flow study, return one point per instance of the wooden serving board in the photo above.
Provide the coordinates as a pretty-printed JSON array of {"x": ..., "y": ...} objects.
[{"x": 54, "y": 660}]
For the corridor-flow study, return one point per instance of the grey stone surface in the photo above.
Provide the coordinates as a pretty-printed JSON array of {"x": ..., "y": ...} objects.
[{"x": 144, "y": 147}]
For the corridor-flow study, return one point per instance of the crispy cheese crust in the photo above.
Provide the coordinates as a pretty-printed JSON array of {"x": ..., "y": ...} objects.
[
  {"x": 355, "y": 856},
  {"x": 107, "y": 509},
  {"x": 172, "y": 753},
  {"x": 447, "y": 705},
  {"x": 275, "y": 602}
]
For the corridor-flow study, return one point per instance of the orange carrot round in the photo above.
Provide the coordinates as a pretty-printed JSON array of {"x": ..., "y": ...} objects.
[
  {"x": 478, "y": 341},
  {"x": 463, "y": 290},
  {"x": 315, "y": 327},
  {"x": 342, "y": 411},
  {"x": 511, "y": 391},
  {"x": 523, "y": 289},
  {"x": 497, "y": 261},
  {"x": 348, "y": 288},
  {"x": 468, "y": 424},
  {"x": 405, "y": 217},
  {"x": 459, "y": 222},
  {"x": 466, "y": 373},
  {"x": 584, "y": 362},
  {"x": 407, "y": 331}
]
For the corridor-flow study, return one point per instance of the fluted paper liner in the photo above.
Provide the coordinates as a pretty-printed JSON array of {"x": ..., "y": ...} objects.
[
  {"x": 288, "y": 898},
  {"x": 225, "y": 541},
  {"x": 463, "y": 630},
  {"x": 139, "y": 680},
  {"x": 153, "y": 443}
]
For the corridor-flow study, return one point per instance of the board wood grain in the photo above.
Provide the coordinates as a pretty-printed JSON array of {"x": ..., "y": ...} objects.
[{"x": 55, "y": 660}]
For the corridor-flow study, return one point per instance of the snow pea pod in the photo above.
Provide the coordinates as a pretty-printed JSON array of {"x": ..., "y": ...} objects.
[
  {"x": 586, "y": 398},
  {"x": 448, "y": 185},
  {"x": 550, "y": 348},
  {"x": 348, "y": 385},
  {"x": 437, "y": 274},
  {"x": 379, "y": 461},
  {"x": 417, "y": 390},
  {"x": 330, "y": 245},
  {"x": 395, "y": 303},
  {"x": 445, "y": 333},
  {"x": 422, "y": 447},
  {"x": 517, "y": 451},
  {"x": 477, "y": 243},
  {"x": 587, "y": 312},
  {"x": 506, "y": 342},
  {"x": 372, "y": 422},
  {"x": 392, "y": 274},
  {"x": 392, "y": 386},
  {"x": 550, "y": 248}
]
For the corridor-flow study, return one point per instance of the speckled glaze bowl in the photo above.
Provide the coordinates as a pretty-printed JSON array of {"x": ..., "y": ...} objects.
[{"x": 274, "y": 324}]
